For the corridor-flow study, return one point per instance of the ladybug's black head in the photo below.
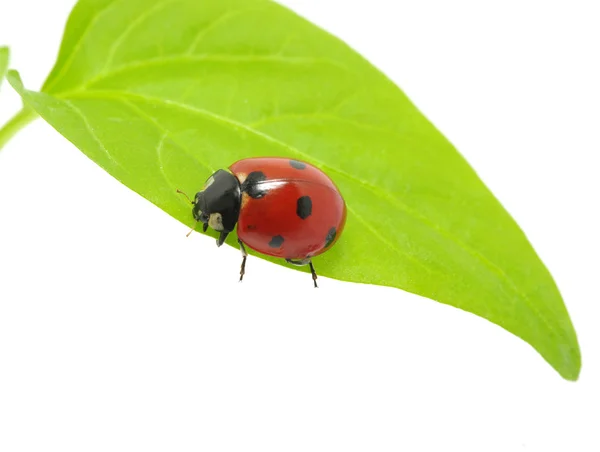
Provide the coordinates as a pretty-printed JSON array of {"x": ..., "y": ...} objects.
[{"x": 218, "y": 204}]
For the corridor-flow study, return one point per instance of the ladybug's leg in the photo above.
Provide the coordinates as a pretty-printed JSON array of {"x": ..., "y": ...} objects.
[
  {"x": 314, "y": 274},
  {"x": 304, "y": 262},
  {"x": 244, "y": 256}
]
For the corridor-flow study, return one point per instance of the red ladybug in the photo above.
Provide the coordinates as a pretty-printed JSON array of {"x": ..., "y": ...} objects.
[{"x": 283, "y": 208}]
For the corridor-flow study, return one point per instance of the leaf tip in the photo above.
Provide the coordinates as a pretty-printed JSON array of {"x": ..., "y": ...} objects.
[
  {"x": 14, "y": 78},
  {"x": 565, "y": 357},
  {"x": 572, "y": 366}
]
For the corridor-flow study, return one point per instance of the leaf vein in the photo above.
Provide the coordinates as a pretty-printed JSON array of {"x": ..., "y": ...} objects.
[
  {"x": 159, "y": 157},
  {"x": 91, "y": 131},
  {"x": 219, "y": 21},
  {"x": 319, "y": 115},
  {"x": 164, "y": 61},
  {"x": 131, "y": 27},
  {"x": 67, "y": 65},
  {"x": 163, "y": 130},
  {"x": 386, "y": 242}
]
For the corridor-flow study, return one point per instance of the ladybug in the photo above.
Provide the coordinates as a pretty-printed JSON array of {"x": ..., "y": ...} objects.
[{"x": 282, "y": 208}]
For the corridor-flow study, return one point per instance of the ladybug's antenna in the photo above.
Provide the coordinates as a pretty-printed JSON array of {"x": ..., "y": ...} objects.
[
  {"x": 191, "y": 202},
  {"x": 188, "y": 198},
  {"x": 191, "y": 230}
]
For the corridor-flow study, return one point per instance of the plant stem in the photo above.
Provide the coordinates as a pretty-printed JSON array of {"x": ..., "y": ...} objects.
[{"x": 16, "y": 123}]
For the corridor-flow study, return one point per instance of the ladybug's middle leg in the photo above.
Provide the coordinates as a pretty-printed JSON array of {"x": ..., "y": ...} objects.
[
  {"x": 314, "y": 273},
  {"x": 244, "y": 256}
]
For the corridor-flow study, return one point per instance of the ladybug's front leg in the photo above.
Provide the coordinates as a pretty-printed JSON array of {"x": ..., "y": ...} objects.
[{"x": 244, "y": 256}]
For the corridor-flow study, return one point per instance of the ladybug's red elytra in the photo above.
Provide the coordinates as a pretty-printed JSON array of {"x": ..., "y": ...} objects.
[{"x": 283, "y": 208}]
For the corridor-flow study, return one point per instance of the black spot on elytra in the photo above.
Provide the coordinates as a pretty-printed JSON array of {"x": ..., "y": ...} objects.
[
  {"x": 253, "y": 186},
  {"x": 330, "y": 237},
  {"x": 298, "y": 165},
  {"x": 304, "y": 207},
  {"x": 276, "y": 241}
]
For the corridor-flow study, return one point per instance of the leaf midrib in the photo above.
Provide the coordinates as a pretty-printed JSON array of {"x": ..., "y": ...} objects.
[
  {"x": 119, "y": 95},
  {"x": 208, "y": 57}
]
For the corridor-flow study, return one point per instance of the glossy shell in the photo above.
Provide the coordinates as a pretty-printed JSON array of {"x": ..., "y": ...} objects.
[{"x": 290, "y": 209}]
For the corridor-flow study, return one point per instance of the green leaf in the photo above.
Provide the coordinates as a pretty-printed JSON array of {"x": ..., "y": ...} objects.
[
  {"x": 4, "y": 55},
  {"x": 162, "y": 95}
]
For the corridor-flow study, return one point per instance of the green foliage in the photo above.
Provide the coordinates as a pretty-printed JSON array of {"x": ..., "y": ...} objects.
[
  {"x": 162, "y": 94},
  {"x": 4, "y": 56}
]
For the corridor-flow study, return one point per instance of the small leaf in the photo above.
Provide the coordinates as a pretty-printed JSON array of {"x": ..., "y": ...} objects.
[
  {"x": 160, "y": 96},
  {"x": 4, "y": 56}
]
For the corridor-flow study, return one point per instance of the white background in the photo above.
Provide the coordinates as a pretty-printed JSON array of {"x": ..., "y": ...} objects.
[{"x": 111, "y": 338}]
